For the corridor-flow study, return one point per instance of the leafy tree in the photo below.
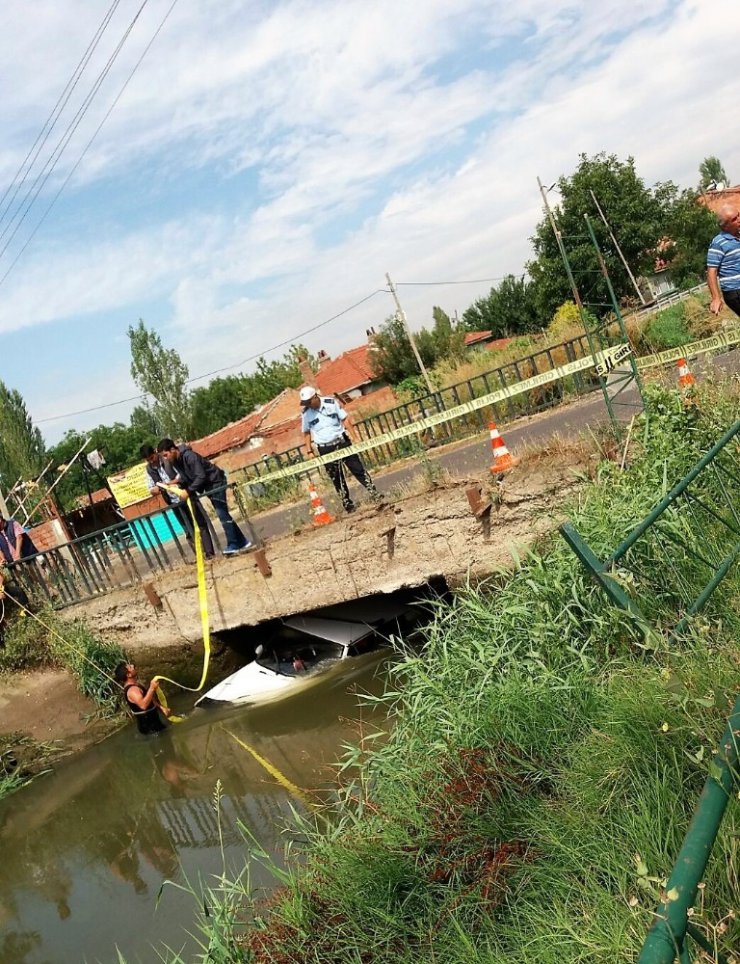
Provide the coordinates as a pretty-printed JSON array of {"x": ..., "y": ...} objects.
[
  {"x": 22, "y": 450},
  {"x": 161, "y": 373},
  {"x": 634, "y": 212},
  {"x": 710, "y": 170},
  {"x": 391, "y": 354},
  {"x": 510, "y": 308},
  {"x": 221, "y": 401},
  {"x": 690, "y": 226}
]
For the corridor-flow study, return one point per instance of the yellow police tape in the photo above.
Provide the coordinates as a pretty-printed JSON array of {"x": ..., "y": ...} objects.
[
  {"x": 272, "y": 770},
  {"x": 603, "y": 362},
  {"x": 204, "y": 621}
]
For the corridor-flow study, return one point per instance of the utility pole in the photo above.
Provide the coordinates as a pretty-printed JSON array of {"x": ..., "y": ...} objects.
[
  {"x": 402, "y": 316},
  {"x": 561, "y": 246},
  {"x": 619, "y": 250}
]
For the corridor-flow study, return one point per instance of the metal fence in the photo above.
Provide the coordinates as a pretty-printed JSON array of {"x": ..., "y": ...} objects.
[
  {"x": 683, "y": 549},
  {"x": 115, "y": 557},
  {"x": 415, "y": 409}
]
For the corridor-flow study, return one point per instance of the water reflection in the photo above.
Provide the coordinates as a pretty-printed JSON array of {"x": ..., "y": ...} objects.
[{"x": 87, "y": 848}]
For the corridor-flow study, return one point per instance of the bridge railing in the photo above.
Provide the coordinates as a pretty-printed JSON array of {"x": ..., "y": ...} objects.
[{"x": 118, "y": 556}]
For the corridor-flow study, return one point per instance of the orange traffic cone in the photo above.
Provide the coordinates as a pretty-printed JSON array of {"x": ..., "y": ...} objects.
[
  {"x": 503, "y": 460},
  {"x": 685, "y": 378},
  {"x": 320, "y": 516}
]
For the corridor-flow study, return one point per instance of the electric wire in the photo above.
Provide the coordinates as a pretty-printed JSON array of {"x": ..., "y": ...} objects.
[
  {"x": 215, "y": 371},
  {"x": 87, "y": 147},
  {"x": 256, "y": 355},
  {"x": 48, "y": 169},
  {"x": 54, "y": 115}
]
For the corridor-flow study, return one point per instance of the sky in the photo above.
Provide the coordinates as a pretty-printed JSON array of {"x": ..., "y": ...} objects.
[{"x": 237, "y": 173}]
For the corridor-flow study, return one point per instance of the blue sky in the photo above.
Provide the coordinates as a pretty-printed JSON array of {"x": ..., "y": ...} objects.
[{"x": 269, "y": 162}]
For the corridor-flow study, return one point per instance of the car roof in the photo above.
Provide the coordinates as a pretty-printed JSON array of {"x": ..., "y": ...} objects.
[{"x": 335, "y": 630}]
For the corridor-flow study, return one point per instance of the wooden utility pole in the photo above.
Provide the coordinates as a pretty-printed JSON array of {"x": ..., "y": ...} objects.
[
  {"x": 561, "y": 246},
  {"x": 619, "y": 250},
  {"x": 409, "y": 335}
]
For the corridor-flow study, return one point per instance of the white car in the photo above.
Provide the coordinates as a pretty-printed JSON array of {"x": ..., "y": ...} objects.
[{"x": 306, "y": 645}]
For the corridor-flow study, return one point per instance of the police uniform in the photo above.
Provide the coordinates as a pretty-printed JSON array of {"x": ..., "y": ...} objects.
[{"x": 326, "y": 425}]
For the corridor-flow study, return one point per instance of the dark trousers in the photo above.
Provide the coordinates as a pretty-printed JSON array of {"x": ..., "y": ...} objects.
[
  {"x": 235, "y": 538},
  {"x": 732, "y": 300},
  {"x": 335, "y": 471},
  {"x": 186, "y": 521}
]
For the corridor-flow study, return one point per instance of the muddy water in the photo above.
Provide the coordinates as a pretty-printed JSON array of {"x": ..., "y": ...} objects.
[{"x": 86, "y": 848}]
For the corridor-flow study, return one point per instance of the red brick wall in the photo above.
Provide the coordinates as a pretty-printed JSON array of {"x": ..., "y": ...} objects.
[{"x": 45, "y": 537}]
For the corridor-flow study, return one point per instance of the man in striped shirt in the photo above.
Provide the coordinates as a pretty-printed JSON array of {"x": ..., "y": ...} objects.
[{"x": 723, "y": 261}]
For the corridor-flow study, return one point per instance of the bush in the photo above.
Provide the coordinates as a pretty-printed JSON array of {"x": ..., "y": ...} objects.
[{"x": 667, "y": 329}]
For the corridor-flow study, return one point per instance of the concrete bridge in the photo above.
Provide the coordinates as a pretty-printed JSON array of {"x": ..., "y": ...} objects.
[{"x": 463, "y": 529}]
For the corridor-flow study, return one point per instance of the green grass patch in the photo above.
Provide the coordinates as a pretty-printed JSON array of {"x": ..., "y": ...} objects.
[{"x": 543, "y": 764}]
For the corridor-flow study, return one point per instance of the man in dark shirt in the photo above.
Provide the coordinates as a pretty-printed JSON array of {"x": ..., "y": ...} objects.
[
  {"x": 198, "y": 476},
  {"x": 161, "y": 478},
  {"x": 142, "y": 702}
]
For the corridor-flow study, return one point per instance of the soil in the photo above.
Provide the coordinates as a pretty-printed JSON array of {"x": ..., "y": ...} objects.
[{"x": 47, "y": 706}]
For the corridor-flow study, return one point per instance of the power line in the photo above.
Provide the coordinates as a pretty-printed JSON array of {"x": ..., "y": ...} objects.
[
  {"x": 265, "y": 351},
  {"x": 474, "y": 281},
  {"x": 90, "y": 142},
  {"x": 216, "y": 371},
  {"x": 50, "y": 122},
  {"x": 62, "y": 144}
]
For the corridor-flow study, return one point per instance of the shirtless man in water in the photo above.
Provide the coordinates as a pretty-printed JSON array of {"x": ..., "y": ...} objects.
[{"x": 142, "y": 702}]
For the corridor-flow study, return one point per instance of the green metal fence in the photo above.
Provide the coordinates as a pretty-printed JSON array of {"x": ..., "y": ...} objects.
[{"x": 682, "y": 550}]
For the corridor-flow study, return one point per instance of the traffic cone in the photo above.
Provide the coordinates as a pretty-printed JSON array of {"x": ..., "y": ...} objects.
[
  {"x": 685, "y": 378},
  {"x": 503, "y": 460},
  {"x": 320, "y": 516}
]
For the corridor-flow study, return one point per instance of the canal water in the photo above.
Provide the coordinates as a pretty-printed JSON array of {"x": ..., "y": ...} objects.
[{"x": 86, "y": 849}]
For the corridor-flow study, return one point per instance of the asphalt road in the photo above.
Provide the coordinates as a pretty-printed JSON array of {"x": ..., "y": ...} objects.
[{"x": 473, "y": 457}]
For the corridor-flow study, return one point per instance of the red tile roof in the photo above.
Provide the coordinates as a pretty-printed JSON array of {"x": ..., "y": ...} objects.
[
  {"x": 499, "y": 344},
  {"x": 349, "y": 370},
  {"x": 285, "y": 407},
  {"x": 473, "y": 337}
]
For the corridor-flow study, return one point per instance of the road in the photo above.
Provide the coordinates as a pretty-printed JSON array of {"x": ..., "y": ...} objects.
[{"x": 473, "y": 457}]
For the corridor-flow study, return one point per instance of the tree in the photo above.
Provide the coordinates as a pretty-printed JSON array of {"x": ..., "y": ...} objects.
[
  {"x": 391, "y": 354},
  {"x": 510, "y": 308},
  {"x": 634, "y": 212},
  {"x": 161, "y": 373},
  {"x": 690, "y": 226},
  {"x": 22, "y": 450},
  {"x": 221, "y": 401},
  {"x": 711, "y": 171}
]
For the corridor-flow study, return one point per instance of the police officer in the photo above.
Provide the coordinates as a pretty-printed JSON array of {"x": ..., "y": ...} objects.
[{"x": 323, "y": 424}]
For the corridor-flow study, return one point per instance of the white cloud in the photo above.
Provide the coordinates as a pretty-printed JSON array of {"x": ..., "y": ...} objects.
[{"x": 374, "y": 146}]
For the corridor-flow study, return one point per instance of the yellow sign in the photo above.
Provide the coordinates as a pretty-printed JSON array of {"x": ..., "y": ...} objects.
[{"x": 130, "y": 486}]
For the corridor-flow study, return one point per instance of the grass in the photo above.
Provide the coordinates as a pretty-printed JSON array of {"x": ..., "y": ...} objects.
[
  {"x": 31, "y": 643},
  {"x": 21, "y": 759},
  {"x": 542, "y": 767}
]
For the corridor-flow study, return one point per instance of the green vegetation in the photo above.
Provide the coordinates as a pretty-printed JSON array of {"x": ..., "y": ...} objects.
[
  {"x": 21, "y": 759},
  {"x": 543, "y": 765},
  {"x": 28, "y": 644}
]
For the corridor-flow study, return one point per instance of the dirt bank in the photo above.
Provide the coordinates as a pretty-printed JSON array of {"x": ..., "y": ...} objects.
[{"x": 47, "y": 706}]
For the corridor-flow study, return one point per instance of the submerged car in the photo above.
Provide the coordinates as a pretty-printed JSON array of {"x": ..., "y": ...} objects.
[{"x": 307, "y": 645}]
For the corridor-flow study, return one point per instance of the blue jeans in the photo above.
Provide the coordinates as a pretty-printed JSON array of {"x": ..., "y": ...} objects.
[{"x": 235, "y": 538}]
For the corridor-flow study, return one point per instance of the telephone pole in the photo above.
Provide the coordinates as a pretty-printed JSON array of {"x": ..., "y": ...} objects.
[
  {"x": 409, "y": 335},
  {"x": 561, "y": 246},
  {"x": 619, "y": 250}
]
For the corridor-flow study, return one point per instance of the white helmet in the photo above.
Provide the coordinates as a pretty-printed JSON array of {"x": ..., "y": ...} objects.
[{"x": 307, "y": 393}]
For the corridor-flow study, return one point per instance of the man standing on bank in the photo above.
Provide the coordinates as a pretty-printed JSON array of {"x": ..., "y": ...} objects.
[
  {"x": 723, "y": 261},
  {"x": 162, "y": 477},
  {"x": 196, "y": 476},
  {"x": 323, "y": 424}
]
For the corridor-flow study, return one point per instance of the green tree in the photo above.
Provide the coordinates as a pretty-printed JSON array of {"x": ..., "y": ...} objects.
[
  {"x": 161, "y": 373},
  {"x": 510, "y": 308},
  {"x": 711, "y": 170},
  {"x": 634, "y": 212},
  {"x": 221, "y": 401},
  {"x": 22, "y": 450},
  {"x": 391, "y": 354},
  {"x": 690, "y": 226}
]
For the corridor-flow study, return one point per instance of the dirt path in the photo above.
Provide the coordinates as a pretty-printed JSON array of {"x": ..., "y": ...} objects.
[{"x": 47, "y": 706}]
